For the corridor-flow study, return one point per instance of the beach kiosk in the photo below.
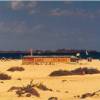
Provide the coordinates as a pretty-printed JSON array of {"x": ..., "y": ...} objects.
[{"x": 47, "y": 59}]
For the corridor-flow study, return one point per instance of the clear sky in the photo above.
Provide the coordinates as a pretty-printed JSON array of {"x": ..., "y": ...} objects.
[{"x": 49, "y": 25}]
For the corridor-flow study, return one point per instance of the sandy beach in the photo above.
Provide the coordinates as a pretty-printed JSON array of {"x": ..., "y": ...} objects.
[{"x": 63, "y": 87}]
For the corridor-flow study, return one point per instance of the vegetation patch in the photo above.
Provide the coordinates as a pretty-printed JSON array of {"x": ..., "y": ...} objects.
[
  {"x": 13, "y": 69},
  {"x": 4, "y": 76},
  {"x": 85, "y": 95},
  {"x": 27, "y": 90},
  {"x": 78, "y": 71}
]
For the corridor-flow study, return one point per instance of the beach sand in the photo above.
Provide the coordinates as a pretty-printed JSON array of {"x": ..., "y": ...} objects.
[{"x": 63, "y": 87}]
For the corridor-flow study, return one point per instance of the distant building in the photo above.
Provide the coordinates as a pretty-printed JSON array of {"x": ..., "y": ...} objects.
[{"x": 47, "y": 59}]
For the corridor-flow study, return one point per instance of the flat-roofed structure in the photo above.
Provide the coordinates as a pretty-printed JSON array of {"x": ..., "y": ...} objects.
[{"x": 46, "y": 59}]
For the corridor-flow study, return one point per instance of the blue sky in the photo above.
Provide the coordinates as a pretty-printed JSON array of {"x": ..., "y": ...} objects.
[{"x": 49, "y": 25}]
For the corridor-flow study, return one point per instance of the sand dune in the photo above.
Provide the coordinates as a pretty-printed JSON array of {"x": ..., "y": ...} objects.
[{"x": 63, "y": 87}]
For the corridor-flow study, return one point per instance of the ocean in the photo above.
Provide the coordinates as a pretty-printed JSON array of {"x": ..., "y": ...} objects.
[{"x": 19, "y": 55}]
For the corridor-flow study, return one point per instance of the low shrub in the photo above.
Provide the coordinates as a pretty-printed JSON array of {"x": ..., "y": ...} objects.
[
  {"x": 78, "y": 71},
  {"x": 85, "y": 95},
  {"x": 4, "y": 76},
  {"x": 13, "y": 69},
  {"x": 60, "y": 73},
  {"x": 85, "y": 70},
  {"x": 27, "y": 90}
]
